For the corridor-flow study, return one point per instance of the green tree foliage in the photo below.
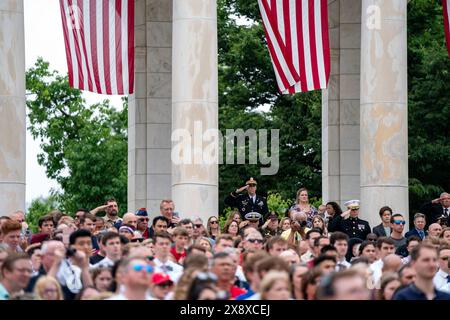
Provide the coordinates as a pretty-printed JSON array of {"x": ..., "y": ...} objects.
[
  {"x": 428, "y": 102},
  {"x": 40, "y": 207},
  {"x": 247, "y": 82},
  {"x": 84, "y": 148}
]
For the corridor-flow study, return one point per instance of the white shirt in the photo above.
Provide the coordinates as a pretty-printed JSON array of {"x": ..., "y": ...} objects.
[
  {"x": 440, "y": 281},
  {"x": 104, "y": 263},
  {"x": 69, "y": 275},
  {"x": 173, "y": 269},
  {"x": 308, "y": 255},
  {"x": 343, "y": 263},
  {"x": 240, "y": 274},
  {"x": 121, "y": 296},
  {"x": 376, "y": 269}
]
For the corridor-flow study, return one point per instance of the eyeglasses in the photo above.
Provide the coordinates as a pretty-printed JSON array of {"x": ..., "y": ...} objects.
[
  {"x": 445, "y": 258},
  {"x": 197, "y": 226},
  {"x": 137, "y": 240},
  {"x": 140, "y": 267},
  {"x": 204, "y": 276},
  {"x": 143, "y": 219},
  {"x": 399, "y": 222},
  {"x": 213, "y": 222},
  {"x": 255, "y": 240}
]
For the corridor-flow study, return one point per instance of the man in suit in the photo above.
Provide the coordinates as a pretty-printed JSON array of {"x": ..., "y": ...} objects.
[
  {"x": 249, "y": 202},
  {"x": 437, "y": 209},
  {"x": 419, "y": 227},
  {"x": 384, "y": 228}
]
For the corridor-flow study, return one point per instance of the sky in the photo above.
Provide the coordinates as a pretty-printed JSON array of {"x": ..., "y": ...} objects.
[{"x": 44, "y": 37}]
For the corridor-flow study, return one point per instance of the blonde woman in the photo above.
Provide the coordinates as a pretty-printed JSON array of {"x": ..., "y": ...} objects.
[
  {"x": 302, "y": 204},
  {"x": 275, "y": 286},
  {"x": 48, "y": 288},
  {"x": 285, "y": 223}
]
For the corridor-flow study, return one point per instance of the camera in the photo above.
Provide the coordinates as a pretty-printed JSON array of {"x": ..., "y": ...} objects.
[
  {"x": 303, "y": 224},
  {"x": 70, "y": 252}
]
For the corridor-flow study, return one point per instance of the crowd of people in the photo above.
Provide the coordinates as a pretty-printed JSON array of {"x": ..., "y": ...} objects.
[{"x": 309, "y": 253}]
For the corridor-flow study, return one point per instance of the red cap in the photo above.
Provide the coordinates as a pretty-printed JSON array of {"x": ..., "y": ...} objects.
[
  {"x": 39, "y": 238},
  {"x": 159, "y": 278}
]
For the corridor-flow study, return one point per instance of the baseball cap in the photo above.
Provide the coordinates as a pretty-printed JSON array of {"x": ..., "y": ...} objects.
[{"x": 159, "y": 278}]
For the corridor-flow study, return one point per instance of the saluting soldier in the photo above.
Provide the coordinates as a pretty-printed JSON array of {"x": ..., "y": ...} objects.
[
  {"x": 349, "y": 223},
  {"x": 248, "y": 202}
]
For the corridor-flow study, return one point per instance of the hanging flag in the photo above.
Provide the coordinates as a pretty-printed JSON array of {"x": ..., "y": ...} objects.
[
  {"x": 446, "y": 11},
  {"x": 297, "y": 38},
  {"x": 99, "y": 41}
]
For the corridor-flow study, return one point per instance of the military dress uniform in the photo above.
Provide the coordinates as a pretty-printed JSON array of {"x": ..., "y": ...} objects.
[
  {"x": 353, "y": 227},
  {"x": 245, "y": 204}
]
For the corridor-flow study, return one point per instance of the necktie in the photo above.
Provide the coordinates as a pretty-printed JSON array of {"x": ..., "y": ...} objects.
[
  {"x": 448, "y": 278},
  {"x": 445, "y": 212},
  {"x": 421, "y": 234}
]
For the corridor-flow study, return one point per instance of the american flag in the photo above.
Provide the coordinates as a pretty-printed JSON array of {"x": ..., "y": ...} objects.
[
  {"x": 297, "y": 38},
  {"x": 446, "y": 11},
  {"x": 99, "y": 41}
]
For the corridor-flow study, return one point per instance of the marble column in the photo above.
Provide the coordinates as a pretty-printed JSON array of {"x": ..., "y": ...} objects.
[
  {"x": 340, "y": 104},
  {"x": 194, "y": 105},
  {"x": 384, "y": 112},
  {"x": 12, "y": 107},
  {"x": 149, "y": 115}
]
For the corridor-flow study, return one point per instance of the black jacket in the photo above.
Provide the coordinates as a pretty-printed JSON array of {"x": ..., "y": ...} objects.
[
  {"x": 433, "y": 212},
  {"x": 245, "y": 204},
  {"x": 353, "y": 227},
  {"x": 379, "y": 230}
]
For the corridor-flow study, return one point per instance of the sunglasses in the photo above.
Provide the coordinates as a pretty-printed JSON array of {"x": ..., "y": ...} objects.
[
  {"x": 213, "y": 222},
  {"x": 137, "y": 240},
  {"x": 143, "y": 219},
  {"x": 255, "y": 240},
  {"x": 399, "y": 222},
  {"x": 165, "y": 285},
  {"x": 140, "y": 267},
  {"x": 198, "y": 225},
  {"x": 445, "y": 258}
]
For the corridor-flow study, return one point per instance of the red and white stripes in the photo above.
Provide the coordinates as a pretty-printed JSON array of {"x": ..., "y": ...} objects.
[
  {"x": 297, "y": 37},
  {"x": 99, "y": 41},
  {"x": 446, "y": 11}
]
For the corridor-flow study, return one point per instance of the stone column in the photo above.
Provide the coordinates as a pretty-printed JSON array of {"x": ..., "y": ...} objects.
[
  {"x": 194, "y": 105},
  {"x": 12, "y": 107},
  {"x": 149, "y": 115},
  {"x": 340, "y": 104},
  {"x": 384, "y": 112}
]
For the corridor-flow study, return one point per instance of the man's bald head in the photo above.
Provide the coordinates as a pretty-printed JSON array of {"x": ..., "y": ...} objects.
[
  {"x": 391, "y": 263},
  {"x": 434, "y": 230},
  {"x": 130, "y": 219}
]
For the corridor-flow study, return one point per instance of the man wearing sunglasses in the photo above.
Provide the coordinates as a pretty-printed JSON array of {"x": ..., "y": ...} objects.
[
  {"x": 397, "y": 226},
  {"x": 136, "y": 276},
  {"x": 142, "y": 223},
  {"x": 248, "y": 202},
  {"x": 442, "y": 278}
]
